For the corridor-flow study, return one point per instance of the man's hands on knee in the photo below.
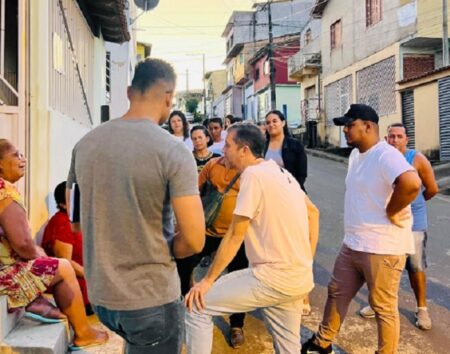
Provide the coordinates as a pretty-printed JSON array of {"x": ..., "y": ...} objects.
[{"x": 197, "y": 295}]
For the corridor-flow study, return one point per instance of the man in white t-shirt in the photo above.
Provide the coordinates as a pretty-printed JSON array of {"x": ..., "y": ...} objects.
[
  {"x": 380, "y": 185},
  {"x": 279, "y": 226}
]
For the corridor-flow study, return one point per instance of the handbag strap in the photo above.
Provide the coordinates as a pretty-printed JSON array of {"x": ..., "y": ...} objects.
[{"x": 233, "y": 181}]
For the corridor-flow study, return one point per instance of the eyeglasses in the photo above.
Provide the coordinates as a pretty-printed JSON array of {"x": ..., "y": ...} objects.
[{"x": 18, "y": 154}]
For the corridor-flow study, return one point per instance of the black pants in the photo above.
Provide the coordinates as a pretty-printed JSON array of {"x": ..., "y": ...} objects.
[{"x": 185, "y": 267}]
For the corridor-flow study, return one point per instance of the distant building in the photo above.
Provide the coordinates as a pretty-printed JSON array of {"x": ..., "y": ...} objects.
[{"x": 215, "y": 83}]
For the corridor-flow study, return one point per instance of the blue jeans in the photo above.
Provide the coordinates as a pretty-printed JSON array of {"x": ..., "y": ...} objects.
[{"x": 151, "y": 330}]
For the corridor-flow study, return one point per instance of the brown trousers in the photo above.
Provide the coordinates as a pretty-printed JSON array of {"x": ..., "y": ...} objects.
[{"x": 382, "y": 274}]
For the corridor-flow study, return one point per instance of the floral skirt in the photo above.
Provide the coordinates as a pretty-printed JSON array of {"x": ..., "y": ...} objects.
[{"x": 25, "y": 281}]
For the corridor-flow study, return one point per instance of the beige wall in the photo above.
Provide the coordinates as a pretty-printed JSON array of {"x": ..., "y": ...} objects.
[
  {"x": 429, "y": 18},
  {"x": 426, "y": 117}
]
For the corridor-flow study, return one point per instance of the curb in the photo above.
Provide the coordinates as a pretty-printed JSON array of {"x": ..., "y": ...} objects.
[{"x": 326, "y": 155}]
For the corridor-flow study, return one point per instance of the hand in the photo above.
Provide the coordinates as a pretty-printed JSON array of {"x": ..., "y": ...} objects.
[
  {"x": 197, "y": 295},
  {"x": 398, "y": 218},
  {"x": 40, "y": 251}
]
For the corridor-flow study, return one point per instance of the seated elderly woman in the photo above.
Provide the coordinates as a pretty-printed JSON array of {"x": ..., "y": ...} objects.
[
  {"x": 25, "y": 270},
  {"x": 60, "y": 241}
]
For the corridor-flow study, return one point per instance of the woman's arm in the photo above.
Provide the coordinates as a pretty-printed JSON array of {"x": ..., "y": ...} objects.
[
  {"x": 13, "y": 220},
  {"x": 64, "y": 250}
]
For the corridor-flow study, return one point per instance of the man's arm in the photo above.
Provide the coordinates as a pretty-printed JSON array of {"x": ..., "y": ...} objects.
[
  {"x": 406, "y": 188},
  {"x": 313, "y": 220},
  {"x": 191, "y": 225},
  {"x": 426, "y": 174},
  {"x": 229, "y": 246},
  {"x": 75, "y": 226}
]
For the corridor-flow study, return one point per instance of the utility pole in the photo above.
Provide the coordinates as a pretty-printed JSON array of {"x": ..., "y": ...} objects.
[
  {"x": 445, "y": 33},
  {"x": 270, "y": 55},
  {"x": 187, "y": 80},
  {"x": 204, "y": 87}
]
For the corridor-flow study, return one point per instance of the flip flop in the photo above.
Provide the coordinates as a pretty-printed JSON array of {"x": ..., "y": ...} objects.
[
  {"x": 42, "y": 319},
  {"x": 77, "y": 348}
]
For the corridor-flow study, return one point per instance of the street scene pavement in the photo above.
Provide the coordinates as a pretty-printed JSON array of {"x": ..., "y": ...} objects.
[{"x": 325, "y": 186}]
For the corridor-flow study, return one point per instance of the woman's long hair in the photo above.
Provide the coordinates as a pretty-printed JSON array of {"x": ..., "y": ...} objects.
[
  {"x": 183, "y": 120},
  {"x": 281, "y": 116}
]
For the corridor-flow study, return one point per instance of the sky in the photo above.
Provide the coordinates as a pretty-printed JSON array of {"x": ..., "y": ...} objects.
[{"x": 180, "y": 31}]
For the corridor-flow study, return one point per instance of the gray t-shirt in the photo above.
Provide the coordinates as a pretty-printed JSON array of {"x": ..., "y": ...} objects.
[
  {"x": 274, "y": 155},
  {"x": 127, "y": 172}
]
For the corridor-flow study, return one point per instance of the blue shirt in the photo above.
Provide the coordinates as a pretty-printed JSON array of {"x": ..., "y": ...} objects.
[{"x": 418, "y": 206}]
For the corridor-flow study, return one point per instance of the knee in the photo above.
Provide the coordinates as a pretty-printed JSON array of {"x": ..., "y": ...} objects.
[{"x": 65, "y": 269}]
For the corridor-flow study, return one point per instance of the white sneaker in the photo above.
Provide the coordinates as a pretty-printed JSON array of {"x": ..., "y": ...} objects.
[
  {"x": 367, "y": 312},
  {"x": 423, "y": 320}
]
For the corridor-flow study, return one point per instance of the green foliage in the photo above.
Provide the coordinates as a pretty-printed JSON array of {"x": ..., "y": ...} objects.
[{"x": 192, "y": 105}]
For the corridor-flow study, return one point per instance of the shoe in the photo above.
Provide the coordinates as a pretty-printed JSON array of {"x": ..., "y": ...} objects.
[
  {"x": 423, "y": 320},
  {"x": 312, "y": 348},
  {"x": 367, "y": 312},
  {"x": 237, "y": 338}
]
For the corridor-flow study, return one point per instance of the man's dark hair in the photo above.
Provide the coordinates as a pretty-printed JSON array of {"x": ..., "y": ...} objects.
[
  {"x": 250, "y": 135},
  {"x": 149, "y": 71},
  {"x": 205, "y": 131},
  {"x": 183, "y": 120},
  {"x": 398, "y": 125},
  {"x": 60, "y": 195},
  {"x": 216, "y": 120}
]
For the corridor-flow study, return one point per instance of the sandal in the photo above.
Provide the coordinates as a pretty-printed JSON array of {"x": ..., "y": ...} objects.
[
  {"x": 41, "y": 310},
  {"x": 77, "y": 348}
]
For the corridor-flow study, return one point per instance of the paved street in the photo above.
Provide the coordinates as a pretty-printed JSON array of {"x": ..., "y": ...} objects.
[
  {"x": 325, "y": 185},
  {"x": 358, "y": 336}
]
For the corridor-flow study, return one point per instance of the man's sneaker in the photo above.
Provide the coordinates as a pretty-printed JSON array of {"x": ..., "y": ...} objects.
[
  {"x": 312, "y": 348},
  {"x": 423, "y": 320},
  {"x": 367, "y": 312}
]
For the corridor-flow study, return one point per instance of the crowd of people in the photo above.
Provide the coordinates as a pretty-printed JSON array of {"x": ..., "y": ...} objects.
[{"x": 227, "y": 195}]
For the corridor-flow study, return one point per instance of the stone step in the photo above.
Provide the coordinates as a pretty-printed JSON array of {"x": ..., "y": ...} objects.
[
  {"x": 30, "y": 337},
  {"x": 8, "y": 320}
]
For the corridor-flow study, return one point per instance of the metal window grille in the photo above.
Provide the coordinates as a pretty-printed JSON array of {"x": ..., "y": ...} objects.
[
  {"x": 338, "y": 96},
  {"x": 71, "y": 90},
  {"x": 375, "y": 86}
]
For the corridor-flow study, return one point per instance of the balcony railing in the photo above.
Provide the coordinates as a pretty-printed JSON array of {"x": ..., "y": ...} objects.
[{"x": 309, "y": 56}]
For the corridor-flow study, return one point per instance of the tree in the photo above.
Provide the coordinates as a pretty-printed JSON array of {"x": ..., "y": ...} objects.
[{"x": 192, "y": 105}]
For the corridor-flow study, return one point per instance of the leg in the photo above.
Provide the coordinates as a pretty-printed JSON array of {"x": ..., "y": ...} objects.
[
  {"x": 418, "y": 283},
  {"x": 345, "y": 283},
  {"x": 238, "y": 291},
  {"x": 383, "y": 273},
  {"x": 416, "y": 265},
  {"x": 68, "y": 297},
  {"x": 239, "y": 262},
  {"x": 283, "y": 322}
]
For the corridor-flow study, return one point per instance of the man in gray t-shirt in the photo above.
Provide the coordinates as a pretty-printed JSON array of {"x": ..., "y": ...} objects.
[{"x": 129, "y": 172}]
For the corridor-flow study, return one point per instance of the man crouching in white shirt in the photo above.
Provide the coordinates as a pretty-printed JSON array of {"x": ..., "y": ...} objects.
[
  {"x": 280, "y": 228},
  {"x": 380, "y": 185}
]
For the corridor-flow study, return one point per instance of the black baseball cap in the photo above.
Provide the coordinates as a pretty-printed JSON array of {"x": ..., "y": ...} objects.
[{"x": 357, "y": 111}]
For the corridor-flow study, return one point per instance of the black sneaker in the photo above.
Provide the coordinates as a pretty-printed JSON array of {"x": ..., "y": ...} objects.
[{"x": 312, "y": 348}]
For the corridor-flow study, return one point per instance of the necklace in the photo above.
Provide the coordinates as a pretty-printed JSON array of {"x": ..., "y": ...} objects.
[{"x": 203, "y": 158}]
